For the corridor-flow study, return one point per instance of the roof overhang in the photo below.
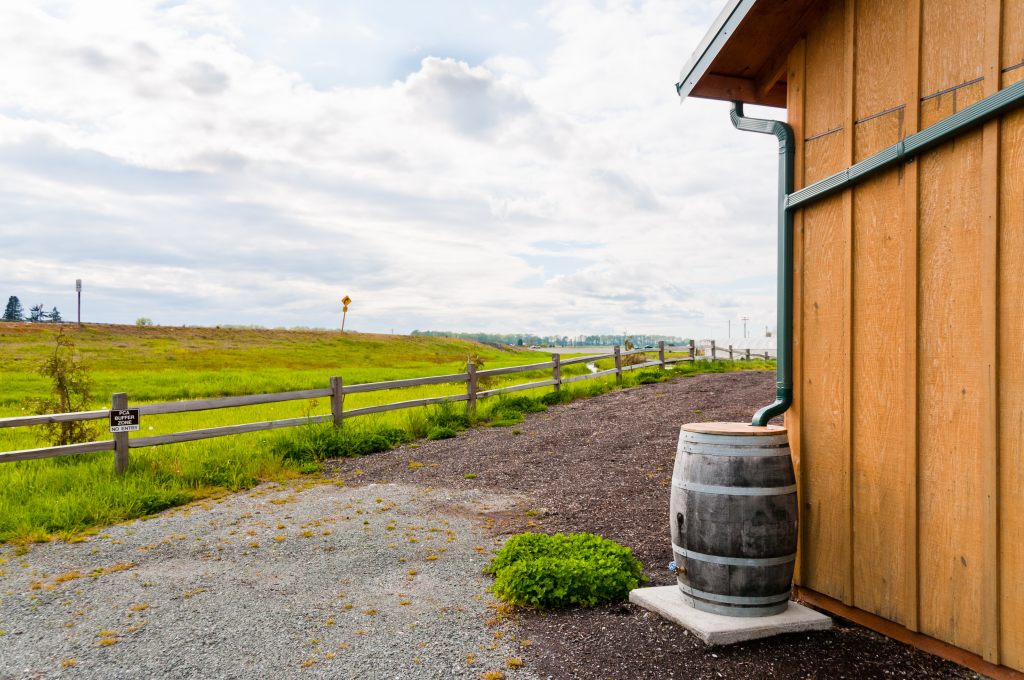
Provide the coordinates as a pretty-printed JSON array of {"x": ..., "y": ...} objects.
[{"x": 743, "y": 56}]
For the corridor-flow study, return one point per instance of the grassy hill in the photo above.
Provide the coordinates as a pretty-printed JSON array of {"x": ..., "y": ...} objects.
[
  {"x": 158, "y": 363},
  {"x": 62, "y": 497}
]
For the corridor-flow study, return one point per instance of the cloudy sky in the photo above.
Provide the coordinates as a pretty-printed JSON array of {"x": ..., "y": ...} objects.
[{"x": 515, "y": 167}]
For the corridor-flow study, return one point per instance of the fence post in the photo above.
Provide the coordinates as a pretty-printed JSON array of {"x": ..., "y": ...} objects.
[
  {"x": 661, "y": 353},
  {"x": 118, "y": 402},
  {"x": 713, "y": 357},
  {"x": 618, "y": 365},
  {"x": 471, "y": 389},
  {"x": 693, "y": 350},
  {"x": 748, "y": 354},
  {"x": 730, "y": 352},
  {"x": 337, "y": 400},
  {"x": 556, "y": 371}
]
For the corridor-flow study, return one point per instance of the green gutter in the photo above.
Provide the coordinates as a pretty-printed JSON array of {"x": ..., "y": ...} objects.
[
  {"x": 784, "y": 272},
  {"x": 789, "y": 201},
  {"x": 974, "y": 115}
]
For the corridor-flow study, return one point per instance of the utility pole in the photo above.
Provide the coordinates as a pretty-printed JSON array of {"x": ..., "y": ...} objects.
[
  {"x": 78, "y": 289},
  {"x": 730, "y": 328},
  {"x": 745, "y": 319}
]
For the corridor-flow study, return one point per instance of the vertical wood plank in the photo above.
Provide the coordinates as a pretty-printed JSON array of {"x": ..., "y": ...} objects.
[
  {"x": 989, "y": 269},
  {"x": 556, "y": 371},
  {"x": 795, "y": 108},
  {"x": 911, "y": 287},
  {"x": 618, "y": 365},
  {"x": 713, "y": 355},
  {"x": 881, "y": 246},
  {"x": 824, "y": 458},
  {"x": 952, "y": 394},
  {"x": 661, "y": 353},
  {"x": 119, "y": 401},
  {"x": 337, "y": 400},
  {"x": 1011, "y": 351},
  {"x": 693, "y": 350},
  {"x": 850, "y": 93}
]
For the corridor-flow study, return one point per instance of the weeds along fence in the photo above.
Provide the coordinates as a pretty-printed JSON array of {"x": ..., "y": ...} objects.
[{"x": 121, "y": 443}]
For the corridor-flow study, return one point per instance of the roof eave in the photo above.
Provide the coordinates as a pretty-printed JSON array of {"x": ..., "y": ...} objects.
[{"x": 710, "y": 47}]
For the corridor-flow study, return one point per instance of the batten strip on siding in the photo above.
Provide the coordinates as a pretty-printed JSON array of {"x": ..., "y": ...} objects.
[
  {"x": 795, "y": 91},
  {"x": 990, "y": 336},
  {"x": 912, "y": 120},
  {"x": 850, "y": 85}
]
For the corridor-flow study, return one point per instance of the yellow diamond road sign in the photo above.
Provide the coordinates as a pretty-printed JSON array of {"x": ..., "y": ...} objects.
[{"x": 346, "y": 301}]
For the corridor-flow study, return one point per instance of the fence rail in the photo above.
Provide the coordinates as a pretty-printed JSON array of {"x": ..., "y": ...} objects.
[{"x": 121, "y": 442}]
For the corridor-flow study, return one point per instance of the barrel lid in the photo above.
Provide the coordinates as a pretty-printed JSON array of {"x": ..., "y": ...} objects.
[{"x": 735, "y": 429}]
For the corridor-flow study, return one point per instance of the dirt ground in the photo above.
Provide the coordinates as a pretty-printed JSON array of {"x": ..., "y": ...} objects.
[{"x": 604, "y": 465}]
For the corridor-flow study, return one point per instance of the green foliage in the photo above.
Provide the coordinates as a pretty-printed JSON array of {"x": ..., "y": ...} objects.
[
  {"x": 649, "y": 377},
  {"x": 563, "y": 396},
  {"x": 14, "y": 311},
  {"x": 441, "y": 432},
  {"x": 70, "y": 390},
  {"x": 319, "y": 441},
  {"x": 446, "y": 415},
  {"x": 550, "y": 571},
  {"x": 55, "y": 316},
  {"x": 143, "y": 321}
]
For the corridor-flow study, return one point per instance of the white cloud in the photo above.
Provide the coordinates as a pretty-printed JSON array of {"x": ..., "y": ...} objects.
[{"x": 240, "y": 192}]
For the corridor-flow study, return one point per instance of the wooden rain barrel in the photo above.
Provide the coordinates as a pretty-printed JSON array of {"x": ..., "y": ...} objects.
[{"x": 734, "y": 518}]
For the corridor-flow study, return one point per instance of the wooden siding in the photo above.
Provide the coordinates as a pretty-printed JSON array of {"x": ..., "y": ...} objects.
[{"x": 911, "y": 460}]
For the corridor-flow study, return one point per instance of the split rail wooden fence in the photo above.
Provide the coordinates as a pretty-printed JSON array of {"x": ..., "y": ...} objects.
[{"x": 121, "y": 443}]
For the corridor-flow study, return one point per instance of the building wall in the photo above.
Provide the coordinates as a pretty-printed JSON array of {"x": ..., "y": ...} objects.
[{"x": 908, "y": 424}]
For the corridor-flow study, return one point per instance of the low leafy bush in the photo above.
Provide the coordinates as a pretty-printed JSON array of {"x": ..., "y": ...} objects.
[
  {"x": 316, "y": 442},
  {"x": 504, "y": 417},
  {"x": 445, "y": 415},
  {"x": 561, "y": 397},
  {"x": 547, "y": 571},
  {"x": 523, "y": 404},
  {"x": 648, "y": 377},
  {"x": 441, "y": 432}
]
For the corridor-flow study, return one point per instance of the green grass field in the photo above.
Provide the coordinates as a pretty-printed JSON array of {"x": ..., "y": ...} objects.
[{"x": 61, "y": 497}]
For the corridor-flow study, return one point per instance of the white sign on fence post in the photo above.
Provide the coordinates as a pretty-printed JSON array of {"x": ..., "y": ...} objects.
[{"x": 124, "y": 420}]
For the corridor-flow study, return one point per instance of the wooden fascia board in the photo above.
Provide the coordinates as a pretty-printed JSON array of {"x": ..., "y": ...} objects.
[
  {"x": 695, "y": 70},
  {"x": 730, "y": 88}
]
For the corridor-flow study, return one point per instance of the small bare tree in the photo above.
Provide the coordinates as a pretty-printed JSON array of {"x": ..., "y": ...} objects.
[{"x": 70, "y": 390}]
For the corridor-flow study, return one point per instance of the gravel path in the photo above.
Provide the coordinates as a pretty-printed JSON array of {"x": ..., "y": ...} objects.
[
  {"x": 209, "y": 591},
  {"x": 305, "y": 580},
  {"x": 604, "y": 465}
]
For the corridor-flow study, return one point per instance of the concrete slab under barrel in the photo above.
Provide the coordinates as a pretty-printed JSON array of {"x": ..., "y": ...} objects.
[{"x": 715, "y": 629}]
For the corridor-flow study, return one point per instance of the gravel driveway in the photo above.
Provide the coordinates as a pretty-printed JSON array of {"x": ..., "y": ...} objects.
[{"x": 304, "y": 580}]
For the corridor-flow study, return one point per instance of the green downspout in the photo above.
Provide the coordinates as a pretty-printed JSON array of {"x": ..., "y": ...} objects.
[
  {"x": 784, "y": 365},
  {"x": 990, "y": 107}
]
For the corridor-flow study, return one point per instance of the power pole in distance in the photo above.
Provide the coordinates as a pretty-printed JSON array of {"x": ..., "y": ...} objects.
[{"x": 78, "y": 289}]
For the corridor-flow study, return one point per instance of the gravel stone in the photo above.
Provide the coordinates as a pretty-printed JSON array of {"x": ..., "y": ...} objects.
[{"x": 299, "y": 580}]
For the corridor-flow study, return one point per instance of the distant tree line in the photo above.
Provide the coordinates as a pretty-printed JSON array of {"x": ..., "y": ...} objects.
[
  {"x": 36, "y": 313},
  {"x": 527, "y": 339}
]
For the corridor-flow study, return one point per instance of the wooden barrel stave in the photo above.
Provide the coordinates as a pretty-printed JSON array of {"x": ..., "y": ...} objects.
[{"x": 733, "y": 520}]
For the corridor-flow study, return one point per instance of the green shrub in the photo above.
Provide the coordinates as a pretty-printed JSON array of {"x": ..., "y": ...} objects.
[
  {"x": 441, "y": 432},
  {"x": 522, "y": 403},
  {"x": 445, "y": 415},
  {"x": 561, "y": 397},
  {"x": 319, "y": 441},
  {"x": 648, "y": 377},
  {"x": 416, "y": 423},
  {"x": 544, "y": 571}
]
